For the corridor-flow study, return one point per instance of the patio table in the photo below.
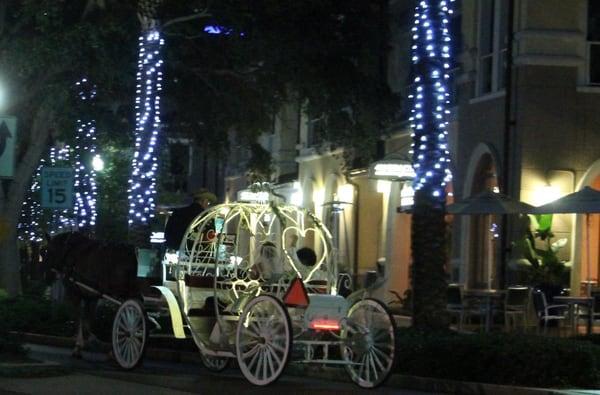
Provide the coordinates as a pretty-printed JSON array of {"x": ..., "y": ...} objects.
[
  {"x": 486, "y": 296},
  {"x": 572, "y": 302}
]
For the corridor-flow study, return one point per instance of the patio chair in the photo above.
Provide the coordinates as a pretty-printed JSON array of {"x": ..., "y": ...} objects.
[
  {"x": 457, "y": 306},
  {"x": 547, "y": 313},
  {"x": 516, "y": 307}
]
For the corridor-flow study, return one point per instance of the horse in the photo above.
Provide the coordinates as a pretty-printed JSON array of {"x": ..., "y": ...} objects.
[{"x": 99, "y": 268}]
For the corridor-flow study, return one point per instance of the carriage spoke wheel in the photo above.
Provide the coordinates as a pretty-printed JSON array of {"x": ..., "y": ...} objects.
[
  {"x": 214, "y": 364},
  {"x": 369, "y": 343},
  {"x": 129, "y": 334},
  {"x": 263, "y": 340}
]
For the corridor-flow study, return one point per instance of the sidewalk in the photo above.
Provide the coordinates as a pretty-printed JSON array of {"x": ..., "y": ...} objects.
[
  {"x": 333, "y": 374},
  {"x": 79, "y": 384}
]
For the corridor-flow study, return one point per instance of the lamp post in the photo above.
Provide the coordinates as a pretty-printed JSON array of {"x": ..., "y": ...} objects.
[{"x": 337, "y": 207}]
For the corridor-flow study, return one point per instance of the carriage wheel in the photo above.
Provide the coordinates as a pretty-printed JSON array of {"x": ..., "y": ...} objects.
[
  {"x": 214, "y": 364},
  {"x": 369, "y": 343},
  {"x": 129, "y": 334},
  {"x": 263, "y": 340}
]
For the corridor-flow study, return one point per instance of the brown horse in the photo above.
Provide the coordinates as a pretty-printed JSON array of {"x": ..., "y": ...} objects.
[{"x": 88, "y": 269}]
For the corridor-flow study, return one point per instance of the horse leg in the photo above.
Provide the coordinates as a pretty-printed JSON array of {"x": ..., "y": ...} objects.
[
  {"x": 79, "y": 340},
  {"x": 88, "y": 317}
]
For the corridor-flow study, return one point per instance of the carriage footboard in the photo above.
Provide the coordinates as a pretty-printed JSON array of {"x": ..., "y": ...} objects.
[{"x": 174, "y": 312}]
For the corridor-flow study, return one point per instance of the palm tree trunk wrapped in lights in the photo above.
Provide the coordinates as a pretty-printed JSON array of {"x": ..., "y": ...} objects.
[
  {"x": 142, "y": 184},
  {"x": 431, "y": 158}
]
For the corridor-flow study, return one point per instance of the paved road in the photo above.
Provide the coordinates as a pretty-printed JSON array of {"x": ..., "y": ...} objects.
[{"x": 96, "y": 375}]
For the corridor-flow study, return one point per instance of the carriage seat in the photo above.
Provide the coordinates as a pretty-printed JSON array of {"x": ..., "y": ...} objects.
[
  {"x": 194, "y": 281},
  {"x": 208, "y": 310}
]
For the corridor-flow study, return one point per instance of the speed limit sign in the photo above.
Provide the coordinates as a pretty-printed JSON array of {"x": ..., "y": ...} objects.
[{"x": 57, "y": 187}]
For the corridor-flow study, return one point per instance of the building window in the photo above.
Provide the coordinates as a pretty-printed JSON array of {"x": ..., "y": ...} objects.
[
  {"x": 315, "y": 132},
  {"x": 492, "y": 45},
  {"x": 593, "y": 42}
]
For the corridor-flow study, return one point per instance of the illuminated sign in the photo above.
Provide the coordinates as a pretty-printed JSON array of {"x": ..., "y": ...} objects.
[
  {"x": 395, "y": 170},
  {"x": 392, "y": 170},
  {"x": 253, "y": 197}
]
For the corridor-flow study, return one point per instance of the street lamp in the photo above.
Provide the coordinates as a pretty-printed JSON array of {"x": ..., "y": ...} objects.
[{"x": 97, "y": 163}]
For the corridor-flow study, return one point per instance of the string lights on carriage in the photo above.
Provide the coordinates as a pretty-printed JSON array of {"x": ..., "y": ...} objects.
[
  {"x": 142, "y": 184},
  {"x": 430, "y": 57}
]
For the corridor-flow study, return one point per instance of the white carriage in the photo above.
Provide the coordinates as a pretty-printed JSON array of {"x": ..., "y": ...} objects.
[{"x": 259, "y": 283}]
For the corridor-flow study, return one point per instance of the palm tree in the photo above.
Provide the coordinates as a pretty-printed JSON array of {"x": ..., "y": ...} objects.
[
  {"x": 431, "y": 160},
  {"x": 142, "y": 183}
]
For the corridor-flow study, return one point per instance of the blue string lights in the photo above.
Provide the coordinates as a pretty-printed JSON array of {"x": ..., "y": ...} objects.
[
  {"x": 142, "y": 184},
  {"x": 430, "y": 97},
  {"x": 85, "y": 149}
]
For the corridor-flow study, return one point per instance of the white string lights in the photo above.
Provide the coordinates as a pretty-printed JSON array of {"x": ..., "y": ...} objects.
[
  {"x": 31, "y": 210},
  {"x": 83, "y": 214},
  {"x": 33, "y": 220},
  {"x": 142, "y": 184},
  {"x": 431, "y": 61},
  {"x": 85, "y": 149}
]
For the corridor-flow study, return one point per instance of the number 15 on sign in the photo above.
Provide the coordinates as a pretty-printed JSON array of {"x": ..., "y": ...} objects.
[{"x": 57, "y": 187}]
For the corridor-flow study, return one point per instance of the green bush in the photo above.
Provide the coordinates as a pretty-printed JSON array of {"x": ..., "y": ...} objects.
[
  {"x": 36, "y": 315},
  {"x": 8, "y": 343},
  {"x": 523, "y": 360}
]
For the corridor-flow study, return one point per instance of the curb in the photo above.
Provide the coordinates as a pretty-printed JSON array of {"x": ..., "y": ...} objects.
[
  {"x": 32, "y": 369},
  {"x": 333, "y": 374}
]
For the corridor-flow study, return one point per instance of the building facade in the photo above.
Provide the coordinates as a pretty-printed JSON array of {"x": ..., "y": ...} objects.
[{"x": 526, "y": 88}]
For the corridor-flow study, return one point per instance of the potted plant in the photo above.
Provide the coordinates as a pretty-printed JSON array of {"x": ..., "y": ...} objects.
[{"x": 541, "y": 268}]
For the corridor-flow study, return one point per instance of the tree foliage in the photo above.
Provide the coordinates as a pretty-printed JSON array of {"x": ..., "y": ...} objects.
[
  {"x": 324, "y": 54},
  {"x": 45, "y": 46}
]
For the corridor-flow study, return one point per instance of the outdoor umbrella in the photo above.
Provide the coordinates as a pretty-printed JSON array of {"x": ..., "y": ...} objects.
[
  {"x": 489, "y": 203},
  {"x": 585, "y": 201}
]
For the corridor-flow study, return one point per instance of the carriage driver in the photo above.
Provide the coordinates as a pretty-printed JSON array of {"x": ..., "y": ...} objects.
[{"x": 181, "y": 218}]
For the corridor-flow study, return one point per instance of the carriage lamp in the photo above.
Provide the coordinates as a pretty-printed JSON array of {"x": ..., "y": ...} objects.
[
  {"x": 171, "y": 258},
  {"x": 157, "y": 237}
]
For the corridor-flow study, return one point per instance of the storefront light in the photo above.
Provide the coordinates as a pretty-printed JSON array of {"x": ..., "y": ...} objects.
[
  {"x": 297, "y": 198},
  {"x": 384, "y": 186},
  {"x": 545, "y": 194},
  {"x": 407, "y": 195},
  {"x": 346, "y": 193}
]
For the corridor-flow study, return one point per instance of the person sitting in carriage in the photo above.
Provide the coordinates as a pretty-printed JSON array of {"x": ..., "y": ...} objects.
[
  {"x": 304, "y": 260},
  {"x": 267, "y": 265}
]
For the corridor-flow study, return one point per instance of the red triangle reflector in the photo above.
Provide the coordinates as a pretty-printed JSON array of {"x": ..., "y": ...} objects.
[{"x": 296, "y": 295}]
